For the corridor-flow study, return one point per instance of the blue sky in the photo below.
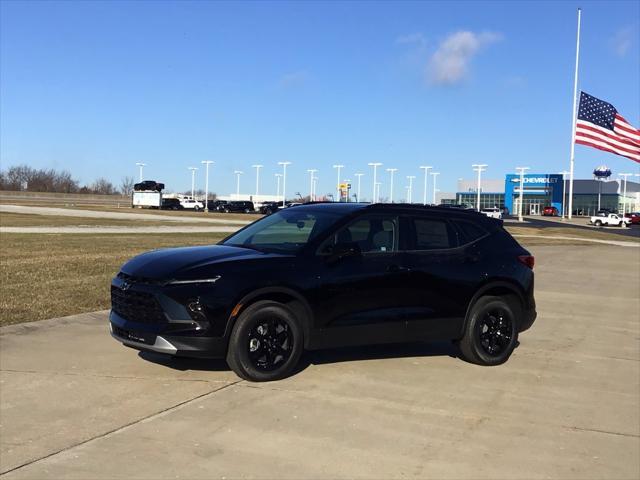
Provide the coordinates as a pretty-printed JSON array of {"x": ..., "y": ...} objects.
[{"x": 94, "y": 87}]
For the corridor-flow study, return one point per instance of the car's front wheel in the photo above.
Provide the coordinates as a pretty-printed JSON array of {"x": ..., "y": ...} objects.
[
  {"x": 491, "y": 333},
  {"x": 266, "y": 342}
]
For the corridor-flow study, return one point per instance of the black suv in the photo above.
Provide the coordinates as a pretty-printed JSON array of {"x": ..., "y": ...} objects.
[
  {"x": 171, "y": 204},
  {"x": 329, "y": 275},
  {"x": 238, "y": 206}
]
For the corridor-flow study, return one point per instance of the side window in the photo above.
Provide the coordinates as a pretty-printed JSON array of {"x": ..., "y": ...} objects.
[
  {"x": 372, "y": 235},
  {"x": 432, "y": 234},
  {"x": 469, "y": 231}
]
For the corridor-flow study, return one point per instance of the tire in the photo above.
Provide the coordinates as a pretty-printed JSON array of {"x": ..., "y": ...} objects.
[
  {"x": 246, "y": 210},
  {"x": 196, "y": 208},
  {"x": 226, "y": 210},
  {"x": 268, "y": 211},
  {"x": 620, "y": 224},
  {"x": 260, "y": 357},
  {"x": 598, "y": 223},
  {"x": 491, "y": 333}
]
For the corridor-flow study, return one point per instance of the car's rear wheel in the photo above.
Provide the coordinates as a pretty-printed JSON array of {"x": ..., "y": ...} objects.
[
  {"x": 491, "y": 333},
  {"x": 246, "y": 210},
  {"x": 598, "y": 223},
  {"x": 196, "y": 208},
  {"x": 266, "y": 342}
]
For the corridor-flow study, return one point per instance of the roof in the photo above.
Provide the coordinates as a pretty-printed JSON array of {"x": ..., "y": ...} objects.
[{"x": 348, "y": 207}]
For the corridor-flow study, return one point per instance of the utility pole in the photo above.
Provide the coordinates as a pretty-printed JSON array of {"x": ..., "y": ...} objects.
[
  {"x": 410, "y": 192},
  {"x": 257, "y": 167},
  {"x": 424, "y": 193},
  {"x": 359, "y": 175},
  {"x": 434, "y": 175},
  {"x": 391, "y": 171},
  {"x": 238, "y": 173},
  {"x": 375, "y": 166},
  {"x": 206, "y": 184},
  {"x": 479, "y": 168},
  {"x": 311, "y": 172},
  {"x": 193, "y": 181},
  {"x": 141, "y": 166},
  {"x": 278, "y": 177},
  {"x": 284, "y": 181},
  {"x": 521, "y": 171}
]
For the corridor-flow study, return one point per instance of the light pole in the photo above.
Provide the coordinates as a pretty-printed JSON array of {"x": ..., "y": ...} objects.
[
  {"x": 391, "y": 171},
  {"x": 624, "y": 195},
  {"x": 479, "y": 168},
  {"x": 238, "y": 173},
  {"x": 378, "y": 185},
  {"x": 278, "y": 177},
  {"x": 338, "y": 167},
  {"x": 521, "y": 171},
  {"x": 410, "y": 191},
  {"x": 375, "y": 166},
  {"x": 359, "y": 175},
  {"x": 346, "y": 181},
  {"x": 257, "y": 167},
  {"x": 141, "y": 165},
  {"x": 206, "y": 184},
  {"x": 424, "y": 193},
  {"x": 311, "y": 172},
  {"x": 435, "y": 176},
  {"x": 564, "y": 174},
  {"x": 193, "y": 181},
  {"x": 284, "y": 181},
  {"x": 314, "y": 186}
]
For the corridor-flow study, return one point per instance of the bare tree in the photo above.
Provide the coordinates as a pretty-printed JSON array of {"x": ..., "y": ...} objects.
[
  {"x": 126, "y": 185},
  {"x": 103, "y": 186}
]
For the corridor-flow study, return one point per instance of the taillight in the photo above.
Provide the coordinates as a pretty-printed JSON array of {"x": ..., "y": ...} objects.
[{"x": 528, "y": 260}]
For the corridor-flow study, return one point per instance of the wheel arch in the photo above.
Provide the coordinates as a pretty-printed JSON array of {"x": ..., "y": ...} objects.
[
  {"x": 284, "y": 295},
  {"x": 496, "y": 288}
]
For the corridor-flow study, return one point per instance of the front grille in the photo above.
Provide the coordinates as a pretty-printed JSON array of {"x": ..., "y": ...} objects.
[{"x": 136, "y": 306}]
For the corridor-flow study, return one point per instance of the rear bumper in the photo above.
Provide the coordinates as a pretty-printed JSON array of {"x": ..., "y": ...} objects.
[{"x": 135, "y": 336}]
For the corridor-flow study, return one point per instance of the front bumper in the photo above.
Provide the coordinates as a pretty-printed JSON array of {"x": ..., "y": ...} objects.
[{"x": 134, "y": 335}]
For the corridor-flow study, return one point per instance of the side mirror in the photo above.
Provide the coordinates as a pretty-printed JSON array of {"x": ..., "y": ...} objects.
[{"x": 343, "y": 250}]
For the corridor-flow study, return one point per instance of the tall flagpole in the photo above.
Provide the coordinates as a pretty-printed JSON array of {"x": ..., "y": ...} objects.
[{"x": 573, "y": 119}]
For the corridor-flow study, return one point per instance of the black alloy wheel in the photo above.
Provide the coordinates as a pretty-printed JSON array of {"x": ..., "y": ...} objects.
[
  {"x": 266, "y": 342},
  {"x": 270, "y": 344},
  {"x": 491, "y": 332},
  {"x": 494, "y": 331}
]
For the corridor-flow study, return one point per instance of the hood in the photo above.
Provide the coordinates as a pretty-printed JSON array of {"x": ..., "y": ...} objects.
[{"x": 171, "y": 262}]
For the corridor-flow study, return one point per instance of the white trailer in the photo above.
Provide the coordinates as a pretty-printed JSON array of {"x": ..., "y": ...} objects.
[{"x": 146, "y": 199}]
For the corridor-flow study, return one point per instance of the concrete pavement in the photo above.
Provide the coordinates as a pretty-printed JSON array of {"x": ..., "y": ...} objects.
[{"x": 76, "y": 404}]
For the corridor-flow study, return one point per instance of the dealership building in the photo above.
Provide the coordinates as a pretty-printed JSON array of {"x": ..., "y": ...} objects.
[{"x": 549, "y": 189}]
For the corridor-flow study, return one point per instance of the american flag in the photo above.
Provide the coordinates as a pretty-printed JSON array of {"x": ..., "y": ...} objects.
[{"x": 599, "y": 125}]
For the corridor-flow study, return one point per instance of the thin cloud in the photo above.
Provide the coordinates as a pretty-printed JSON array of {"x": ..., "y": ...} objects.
[
  {"x": 293, "y": 79},
  {"x": 621, "y": 41},
  {"x": 449, "y": 64}
]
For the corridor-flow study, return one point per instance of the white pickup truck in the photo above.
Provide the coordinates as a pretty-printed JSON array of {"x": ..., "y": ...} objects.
[{"x": 610, "y": 219}]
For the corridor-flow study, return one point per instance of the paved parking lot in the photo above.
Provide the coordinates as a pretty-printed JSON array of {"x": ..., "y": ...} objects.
[{"x": 76, "y": 404}]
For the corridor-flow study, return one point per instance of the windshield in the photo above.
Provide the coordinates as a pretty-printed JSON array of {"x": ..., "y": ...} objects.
[{"x": 286, "y": 231}]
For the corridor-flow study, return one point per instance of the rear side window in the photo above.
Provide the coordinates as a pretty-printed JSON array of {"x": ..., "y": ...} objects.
[
  {"x": 469, "y": 231},
  {"x": 432, "y": 234}
]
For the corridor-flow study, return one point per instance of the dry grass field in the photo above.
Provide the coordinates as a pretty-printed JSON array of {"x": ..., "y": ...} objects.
[
  {"x": 45, "y": 276},
  {"x": 8, "y": 219}
]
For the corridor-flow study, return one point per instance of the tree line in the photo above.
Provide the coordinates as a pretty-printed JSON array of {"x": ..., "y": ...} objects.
[{"x": 25, "y": 178}]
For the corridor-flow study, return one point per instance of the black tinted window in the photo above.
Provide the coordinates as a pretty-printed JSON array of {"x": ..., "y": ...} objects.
[
  {"x": 373, "y": 234},
  {"x": 432, "y": 234},
  {"x": 469, "y": 231}
]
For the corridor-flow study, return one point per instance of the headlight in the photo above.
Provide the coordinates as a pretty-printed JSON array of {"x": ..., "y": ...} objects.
[{"x": 200, "y": 280}]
